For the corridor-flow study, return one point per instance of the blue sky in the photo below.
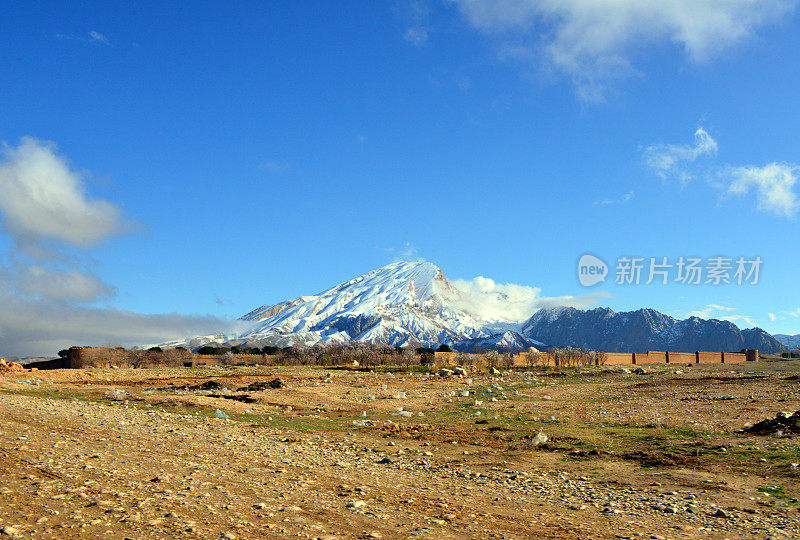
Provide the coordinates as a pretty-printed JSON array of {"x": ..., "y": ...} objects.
[{"x": 196, "y": 161}]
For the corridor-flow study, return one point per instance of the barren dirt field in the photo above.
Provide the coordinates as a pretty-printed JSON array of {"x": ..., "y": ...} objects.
[{"x": 330, "y": 453}]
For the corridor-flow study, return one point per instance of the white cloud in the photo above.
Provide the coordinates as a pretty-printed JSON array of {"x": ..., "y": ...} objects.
[
  {"x": 774, "y": 185},
  {"x": 64, "y": 285},
  {"x": 416, "y": 36},
  {"x": 93, "y": 36},
  {"x": 708, "y": 312},
  {"x": 784, "y": 314},
  {"x": 97, "y": 37},
  {"x": 740, "y": 318},
  {"x": 670, "y": 161},
  {"x": 408, "y": 252},
  {"x": 593, "y": 41},
  {"x": 41, "y": 198},
  {"x": 487, "y": 299},
  {"x": 44, "y": 309},
  {"x": 416, "y": 15},
  {"x": 622, "y": 199},
  {"x": 41, "y": 327}
]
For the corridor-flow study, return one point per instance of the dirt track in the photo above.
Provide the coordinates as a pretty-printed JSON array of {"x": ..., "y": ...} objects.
[{"x": 79, "y": 461}]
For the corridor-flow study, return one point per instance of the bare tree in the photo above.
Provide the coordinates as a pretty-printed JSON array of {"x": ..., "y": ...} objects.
[{"x": 492, "y": 358}]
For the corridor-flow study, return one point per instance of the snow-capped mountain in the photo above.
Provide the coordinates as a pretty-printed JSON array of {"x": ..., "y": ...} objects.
[
  {"x": 413, "y": 304},
  {"x": 403, "y": 303},
  {"x": 641, "y": 330}
]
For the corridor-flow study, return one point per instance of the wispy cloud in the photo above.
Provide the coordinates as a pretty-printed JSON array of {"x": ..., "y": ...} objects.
[
  {"x": 783, "y": 315},
  {"x": 625, "y": 197},
  {"x": 592, "y": 41},
  {"x": 774, "y": 184},
  {"x": 671, "y": 161},
  {"x": 408, "y": 252},
  {"x": 97, "y": 37},
  {"x": 93, "y": 36},
  {"x": 723, "y": 313},
  {"x": 274, "y": 166},
  {"x": 416, "y": 17}
]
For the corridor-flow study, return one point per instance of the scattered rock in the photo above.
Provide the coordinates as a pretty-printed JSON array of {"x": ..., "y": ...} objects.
[
  {"x": 539, "y": 438},
  {"x": 274, "y": 384},
  {"x": 783, "y": 421},
  {"x": 10, "y": 530}
]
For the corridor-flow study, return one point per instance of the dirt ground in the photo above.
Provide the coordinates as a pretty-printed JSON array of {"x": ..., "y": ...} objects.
[{"x": 325, "y": 453}]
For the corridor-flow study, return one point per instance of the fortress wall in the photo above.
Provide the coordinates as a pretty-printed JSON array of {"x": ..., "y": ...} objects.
[
  {"x": 733, "y": 358},
  {"x": 653, "y": 357},
  {"x": 84, "y": 357},
  {"x": 708, "y": 357},
  {"x": 617, "y": 358},
  {"x": 681, "y": 357}
]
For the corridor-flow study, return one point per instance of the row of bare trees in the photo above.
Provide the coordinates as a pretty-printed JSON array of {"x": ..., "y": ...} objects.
[
  {"x": 368, "y": 355},
  {"x": 566, "y": 356}
]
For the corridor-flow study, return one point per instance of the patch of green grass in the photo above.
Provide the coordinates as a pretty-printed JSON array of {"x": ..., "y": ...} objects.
[{"x": 776, "y": 491}]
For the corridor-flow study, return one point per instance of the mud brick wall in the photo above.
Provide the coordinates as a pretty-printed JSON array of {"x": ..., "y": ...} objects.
[
  {"x": 681, "y": 357},
  {"x": 733, "y": 358},
  {"x": 641, "y": 358},
  {"x": 618, "y": 358},
  {"x": 708, "y": 357}
]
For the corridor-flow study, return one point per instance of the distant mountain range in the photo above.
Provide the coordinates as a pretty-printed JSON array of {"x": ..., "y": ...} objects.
[
  {"x": 642, "y": 330},
  {"x": 788, "y": 340},
  {"x": 413, "y": 304}
]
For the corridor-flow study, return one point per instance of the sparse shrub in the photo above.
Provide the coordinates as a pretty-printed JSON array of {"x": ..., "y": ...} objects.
[
  {"x": 426, "y": 355},
  {"x": 492, "y": 358},
  {"x": 533, "y": 357}
]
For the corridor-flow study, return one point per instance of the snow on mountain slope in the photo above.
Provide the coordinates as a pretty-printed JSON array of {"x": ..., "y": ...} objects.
[
  {"x": 403, "y": 303},
  {"x": 412, "y": 303}
]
